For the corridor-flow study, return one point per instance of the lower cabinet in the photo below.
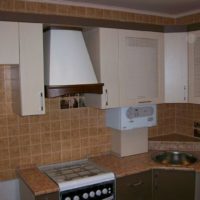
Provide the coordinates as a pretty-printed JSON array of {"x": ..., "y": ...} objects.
[
  {"x": 50, "y": 196},
  {"x": 135, "y": 187},
  {"x": 158, "y": 184},
  {"x": 27, "y": 194},
  {"x": 173, "y": 184}
]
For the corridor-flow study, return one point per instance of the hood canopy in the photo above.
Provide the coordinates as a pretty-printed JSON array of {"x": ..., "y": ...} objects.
[{"x": 68, "y": 68}]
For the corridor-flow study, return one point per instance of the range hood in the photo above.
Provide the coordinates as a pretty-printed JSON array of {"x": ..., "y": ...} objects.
[{"x": 68, "y": 68}]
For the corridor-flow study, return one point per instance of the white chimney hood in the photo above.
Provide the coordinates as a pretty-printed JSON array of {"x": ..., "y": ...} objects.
[{"x": 67, "y": 62}]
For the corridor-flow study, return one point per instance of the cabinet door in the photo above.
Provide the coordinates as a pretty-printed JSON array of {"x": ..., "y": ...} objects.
[
  {"x": 50, "y": 196},
  {"x": 135, "y": 187},
  {"x": 9, "y": 49},
  {"x": 140, "y": 67},
  {"x": 194, "y": 67},
  {"x": 109, "y": 67},
  {"x": 102, "y": 44},
  {"x": 31, "y": 69},
  {"x": 197, "y": 186},
  {"x": 176, "y": 67},
  {"x": 173, "y": 185}
]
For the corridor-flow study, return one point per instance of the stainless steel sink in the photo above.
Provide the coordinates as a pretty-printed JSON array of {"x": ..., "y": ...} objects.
[{"x": 175, "y": 158}]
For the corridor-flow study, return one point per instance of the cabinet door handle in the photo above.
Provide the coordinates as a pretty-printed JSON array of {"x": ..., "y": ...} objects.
[
  {"x": 106, "y": 91},
  {"x": 185, "y": 92},
  {"x": 135, "y": 184},
  {"x": 41, "y": 101}
]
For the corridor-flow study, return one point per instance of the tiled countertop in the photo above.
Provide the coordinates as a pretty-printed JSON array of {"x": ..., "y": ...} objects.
[
  {"x": 138, "y": 163},
  {"x": 40, "y": 184},
  {"x": 37, "y": 182}
]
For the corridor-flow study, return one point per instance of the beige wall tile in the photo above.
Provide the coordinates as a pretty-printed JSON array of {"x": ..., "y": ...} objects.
[{"x": 20, "y": 6}]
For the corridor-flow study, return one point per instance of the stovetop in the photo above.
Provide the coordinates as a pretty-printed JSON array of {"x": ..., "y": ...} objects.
[{"x": 76, "y": 174}]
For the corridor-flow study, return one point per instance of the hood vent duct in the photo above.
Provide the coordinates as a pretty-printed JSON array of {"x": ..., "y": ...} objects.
[{"x": 68, "y": 68}]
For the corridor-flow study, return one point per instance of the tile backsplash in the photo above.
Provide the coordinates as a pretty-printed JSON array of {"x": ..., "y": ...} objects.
[
  {"x": 165, "y": 120},
  {"x": 176, "y": 118},
  {"x": 68, "y": 134},
  {"x": 186, "y": 115},
  {"x": 59, "y": 135}
]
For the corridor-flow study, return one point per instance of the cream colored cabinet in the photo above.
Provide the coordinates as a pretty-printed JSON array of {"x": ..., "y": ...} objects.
[
  {"x": 29, "y": 74},
  {"x": 140, "y": 67},
  {"x": 102, "y": 44},
  {"x": 9, "y": 48},
  {"x": 129, "y": 63},
  {"x": 194, "y": 67},
  {"x": 176, "y": 67}
]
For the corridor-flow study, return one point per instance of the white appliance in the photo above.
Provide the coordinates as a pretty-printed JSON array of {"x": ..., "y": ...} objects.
[
  {"x": 132, "y": 117},
  {"x": 83, "y": 179},
  {"x": 130, "y": 142},
  {"x": 130, "y": 128},
  {"x": 66, "y": 59}
]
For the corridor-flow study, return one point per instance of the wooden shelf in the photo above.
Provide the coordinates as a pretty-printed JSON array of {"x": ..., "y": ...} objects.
[{"x": 56, "y": 91}]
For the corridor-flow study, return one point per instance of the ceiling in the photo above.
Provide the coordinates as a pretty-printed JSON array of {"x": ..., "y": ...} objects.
[{"x": 165, "y": 7}]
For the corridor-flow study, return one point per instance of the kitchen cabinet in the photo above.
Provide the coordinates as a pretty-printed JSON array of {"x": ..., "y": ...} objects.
[
  {"x": 197, "y": 186},
  {"x": 50, "y": 196},
  {"x": 140, "y": 67},
  {"x": 102, "y": 44},
  {"x": 129, "y": 63},
  {"x": 9, "y": 49},
  {"x": 176, "y": 67},
  {"x": 194, "y": 67},
  {"x": 29, "y": 75},
  {"x": 173, "y": 184},
  {"x": 136, "y": 186},
  {"x": 26, "y": 193},
  {"x": 158, "y": 184}
]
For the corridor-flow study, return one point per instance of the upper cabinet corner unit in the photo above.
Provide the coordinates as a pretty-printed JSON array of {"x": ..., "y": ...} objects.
[
  {"x": 22, "y": 46},
  {"x": 129, "y": 63}
]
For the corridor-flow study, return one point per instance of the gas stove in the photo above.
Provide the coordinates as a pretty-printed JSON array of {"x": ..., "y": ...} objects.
[{"x": 82, "y": 179}]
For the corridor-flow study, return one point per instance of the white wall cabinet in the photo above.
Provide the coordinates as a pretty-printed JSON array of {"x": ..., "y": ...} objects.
[
  {"x": 102, "y": 44},
  {"x": 176, "y": 67},
  {"x": 129, "y": 63},
  {"x": 194, "y": 67},
  {"x": 9, "y": 48},
  {"x": 29, "y": 87},
  {"x": 140, "y": 67}
]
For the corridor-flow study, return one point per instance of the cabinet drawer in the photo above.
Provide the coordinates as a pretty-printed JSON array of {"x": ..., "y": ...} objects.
[
  {"x": 50, "y": 196},
  {"x": 136, "y": 186}
]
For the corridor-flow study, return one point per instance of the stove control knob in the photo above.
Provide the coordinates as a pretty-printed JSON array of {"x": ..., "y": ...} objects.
[
  {"x": 92, "y": 194},
  {"x": 98, "y": 192},
  {"x": 85, "y": 196},
  {"x": 67, "y": 198},
  {"x": 105, "y": 191},
  {"x": 76, "y": 198}
]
